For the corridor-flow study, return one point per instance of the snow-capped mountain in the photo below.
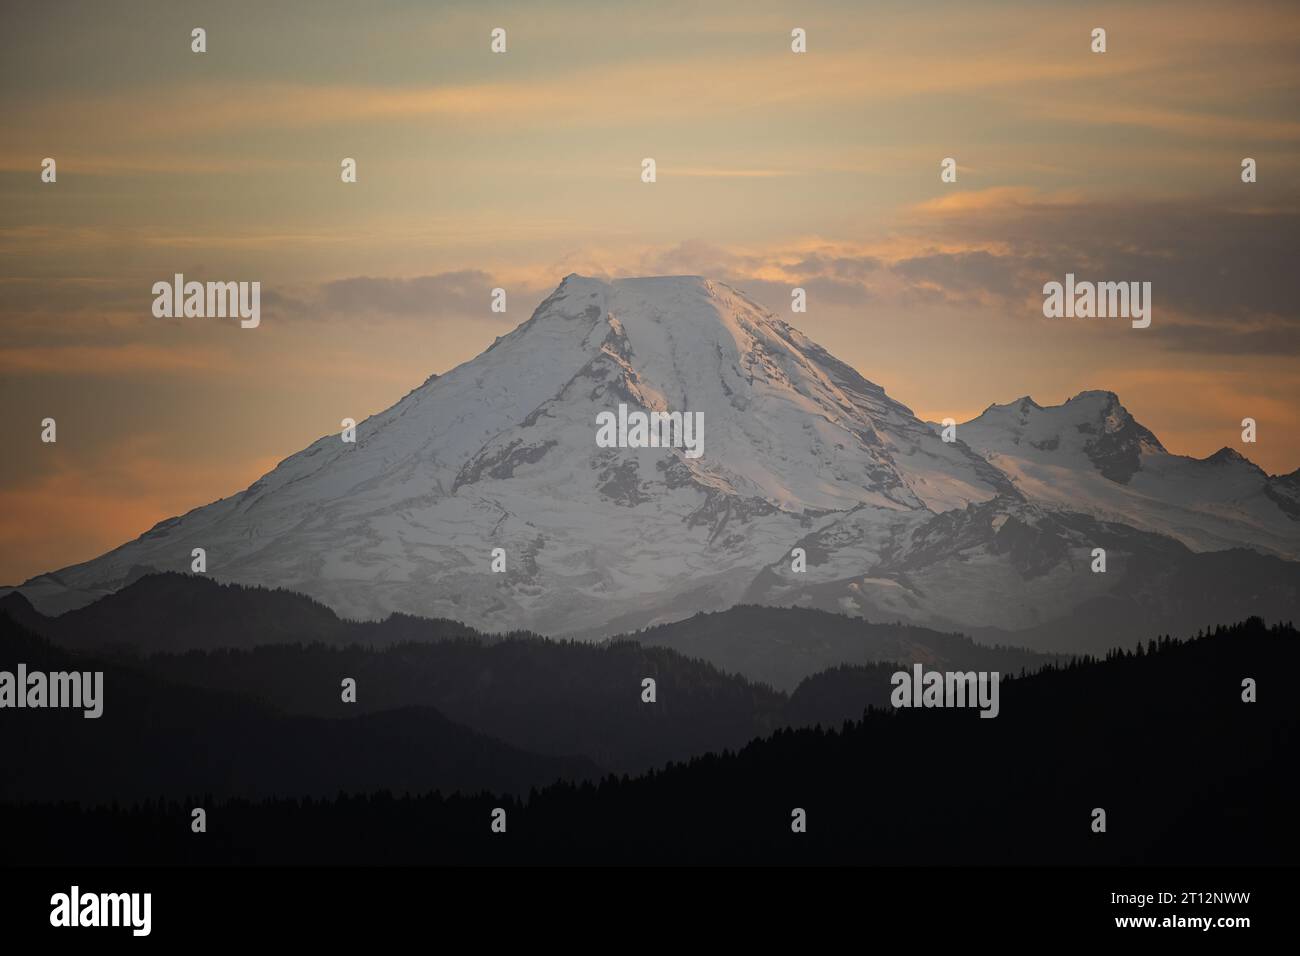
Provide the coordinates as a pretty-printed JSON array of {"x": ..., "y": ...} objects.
[
  {"x": 799, "y": 450},
  {"x": 1089, "y": 455}
]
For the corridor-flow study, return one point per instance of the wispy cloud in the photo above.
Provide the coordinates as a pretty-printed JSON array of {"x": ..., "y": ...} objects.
[{"x": 706, "y": 173}]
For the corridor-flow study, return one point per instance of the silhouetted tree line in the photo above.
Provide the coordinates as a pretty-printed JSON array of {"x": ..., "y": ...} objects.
[{"x": 1159, "y": 738}]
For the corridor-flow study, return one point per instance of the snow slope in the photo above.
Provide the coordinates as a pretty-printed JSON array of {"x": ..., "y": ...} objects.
[
  {"x": 799, "y": 450},
  {"x": 1089, "y": 455}
]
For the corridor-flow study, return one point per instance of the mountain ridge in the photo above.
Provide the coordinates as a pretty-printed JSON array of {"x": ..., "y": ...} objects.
[{"x": 800, "y": 451}]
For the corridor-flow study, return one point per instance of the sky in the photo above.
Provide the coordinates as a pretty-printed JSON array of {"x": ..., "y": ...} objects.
[{"x": 478, "y": 170}]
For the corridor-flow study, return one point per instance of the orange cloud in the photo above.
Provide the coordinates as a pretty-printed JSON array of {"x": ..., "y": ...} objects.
[{"x": 1002, "y": 200}]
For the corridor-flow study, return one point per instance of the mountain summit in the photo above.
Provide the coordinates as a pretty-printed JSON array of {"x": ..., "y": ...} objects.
[
  {"x": 799, "y": 450},
  {"x": 1090, "y": 455}
]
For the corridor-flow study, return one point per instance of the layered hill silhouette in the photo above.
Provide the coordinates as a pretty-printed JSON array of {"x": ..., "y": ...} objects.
[
  {"x": 785, "y": 646},
  {"x": 777, "y": 646},
  {"x": 559, "y": 698},
  {"x": 1161, "y": 740},
  {"x": 156, "y": 737},
  {"x": 993, "y": 532},
  {"x": 181, "y": 612}
]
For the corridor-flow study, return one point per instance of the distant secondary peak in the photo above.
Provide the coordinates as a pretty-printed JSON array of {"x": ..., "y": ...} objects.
[
  {"x": 1095, "y": 394},
  {"x": 1226, "y": 455}
]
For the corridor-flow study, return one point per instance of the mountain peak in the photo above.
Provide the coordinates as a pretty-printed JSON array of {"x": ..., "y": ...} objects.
[
  {"x": 1230, "y": 456},
  {"x": 488, "y": 496},
  {"x": 1107, "y": 415},
  {"x": 504, "y": 451},
  {"x": 1097, "y": 393},
  {"x": 1225, "y": 454},
  {"x": 1092, "y": 425}
]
